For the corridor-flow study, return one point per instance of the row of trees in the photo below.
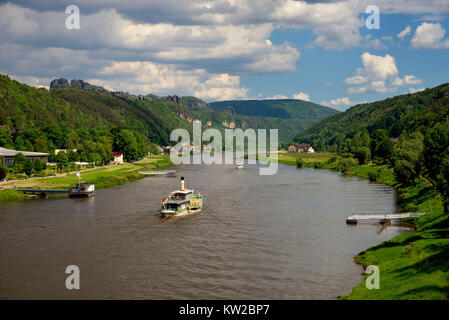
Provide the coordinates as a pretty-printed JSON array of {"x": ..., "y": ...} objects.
[
  {"x": 412, "y": 156},
  {"x": 93, "y": 146}
]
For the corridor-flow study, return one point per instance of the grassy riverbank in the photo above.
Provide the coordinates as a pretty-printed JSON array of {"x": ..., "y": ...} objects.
[
  {"x": 412, "y": 265},
  {"x": 102, "y": 177}
]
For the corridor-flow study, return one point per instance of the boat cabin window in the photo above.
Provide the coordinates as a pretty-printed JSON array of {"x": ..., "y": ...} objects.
[
  {"x": 180, "y": 195},
  {"x": 172, "y": 206}
]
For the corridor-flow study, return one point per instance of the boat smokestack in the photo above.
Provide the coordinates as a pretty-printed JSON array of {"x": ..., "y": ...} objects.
[{"x": 182, "y": 184}]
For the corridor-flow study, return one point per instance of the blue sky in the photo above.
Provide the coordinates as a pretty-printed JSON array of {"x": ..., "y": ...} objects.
[{"x": 231, "y": 49}]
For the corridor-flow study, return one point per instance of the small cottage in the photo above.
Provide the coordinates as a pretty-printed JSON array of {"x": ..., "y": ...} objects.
[{"x": 117, "y": 157}]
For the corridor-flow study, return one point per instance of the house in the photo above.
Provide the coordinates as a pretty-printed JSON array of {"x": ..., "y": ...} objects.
[
  {"x": 64, "y": 150},
  {"x": 117, "y": 157},
  {"x": 81, "y": 164},
  {"x": 292, "y": 149},
  {"x": 305, "y": 147},
  {"x": 7, "y": 156}
]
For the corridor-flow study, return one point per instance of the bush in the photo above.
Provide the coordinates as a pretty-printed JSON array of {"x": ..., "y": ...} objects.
[
  {"x": 318, "y": 165},
  {"x": 3, "y": 172},
  {"x": 333, "y": 159},
  {"x": 345, "y": 165},
  {"x": 299, "y": 163},
  {"x": 373, "y": 176},
  {"x": 363, "y": 154},
  {"x": 346, "y": 155}
]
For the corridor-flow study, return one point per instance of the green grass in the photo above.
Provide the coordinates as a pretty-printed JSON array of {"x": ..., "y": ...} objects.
[
  {"x": 413, "y": 265},
  {"x": 11, "y": 195},
  {"x": 103, "y": 177}
]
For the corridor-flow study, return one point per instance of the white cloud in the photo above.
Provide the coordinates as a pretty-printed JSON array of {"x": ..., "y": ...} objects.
[
  {"x": 341, "y": 103},
  {"x": 401, "y": 35},
  {"x": 276, "y": 97},
  {"x": 407, "y": 80},
  {"x": 413, "y": 90},
  {"x": 244, "y": 47},
  {"x": 378, "y": 74},
  {"x": 429, "y": 36},
  {"x": 301, "y": 96},
  {"x": 148, "y": 77}
]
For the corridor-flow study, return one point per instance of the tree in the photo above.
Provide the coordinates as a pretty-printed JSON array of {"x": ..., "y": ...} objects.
[
  {"x": 61, "y": 160},
  {"x": 363, "y": 154},
  {"x": 41, "y": 144},
  {"x": 382, "y": 147},
  {"x": 3, "y": 172},
  {"x": 39, "y": 165},
  {"x": 6, "y": 139},
  {"x": 408, "y": 165},
  {"x": 28, "y": 167},
  {"x": 127, "y": 143},
  {"x": 19, "y": 162},
  {"x": 436, "y": 160},
  {"x": 345, "y": 165}
]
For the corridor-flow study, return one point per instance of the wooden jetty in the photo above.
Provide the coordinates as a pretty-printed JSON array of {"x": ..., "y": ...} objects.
[
  {"x": 382, "y": 217},
  {"x": 81, "y": 190}
]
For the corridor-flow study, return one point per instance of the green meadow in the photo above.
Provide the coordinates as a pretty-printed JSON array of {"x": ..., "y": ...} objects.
[{"x": 102, "y": 177}]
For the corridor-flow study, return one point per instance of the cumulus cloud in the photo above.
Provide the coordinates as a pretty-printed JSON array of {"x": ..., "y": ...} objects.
[
  {"x": 196, "y": 40},
  {"x": 378, "y": 74},
  {"x": 276, "y": 97},
  {"x": 341, "y": 103},
  {"x": 401, "y": 35},
  {"x": 413, "y": 90},
  {"x": 146, "y": 77},
  {"x": 429, "y": 36},
  {"x": 299, "y": 96}
]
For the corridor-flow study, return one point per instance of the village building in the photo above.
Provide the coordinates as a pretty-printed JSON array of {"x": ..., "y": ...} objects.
[
  {"x": 291, "y": 149},
  {"x": 7, "y": 156},
  {"x": 64, "y": 150},
  {"x": 117, "y": 157},
  {"x": 304, "y": 147}
]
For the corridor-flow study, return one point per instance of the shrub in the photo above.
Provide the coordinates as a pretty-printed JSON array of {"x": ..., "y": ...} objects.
[
  {"x": 299, "y": 163},
  {"x": 333, "y": 159},
  {"x": 345, "y": 165},
  {"x": 3, "y": 172},
  {"x": 318, "y": 165},
  {"x": 373, "y": 176},
  {"x": 363, "y": 154}
]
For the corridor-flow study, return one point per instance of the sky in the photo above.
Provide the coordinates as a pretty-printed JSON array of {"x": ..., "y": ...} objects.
[{"x": 319, "y": 51}]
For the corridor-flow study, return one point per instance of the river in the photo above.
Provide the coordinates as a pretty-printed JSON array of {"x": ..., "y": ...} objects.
[{"x": 258, "y": 237}]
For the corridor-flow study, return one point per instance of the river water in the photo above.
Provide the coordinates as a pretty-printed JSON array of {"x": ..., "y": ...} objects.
[{"x": 258, "y": 237}]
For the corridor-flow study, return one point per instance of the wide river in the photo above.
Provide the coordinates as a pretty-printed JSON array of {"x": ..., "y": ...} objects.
[{"x": 258, "y": 237}]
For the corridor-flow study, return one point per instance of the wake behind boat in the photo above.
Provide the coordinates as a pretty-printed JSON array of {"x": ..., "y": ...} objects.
[{"x": 181, "y": 202}]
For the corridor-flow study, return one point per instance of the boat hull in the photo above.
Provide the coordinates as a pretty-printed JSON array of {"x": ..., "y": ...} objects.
[{"x": 81, "y": 194}]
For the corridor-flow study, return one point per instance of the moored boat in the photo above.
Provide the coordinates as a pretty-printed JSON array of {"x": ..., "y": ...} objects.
[
  {"x": 182, "y": 201},
  {"x": 82, "y": 190}
]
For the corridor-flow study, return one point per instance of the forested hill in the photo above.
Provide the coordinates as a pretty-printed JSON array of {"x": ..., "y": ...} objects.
[
  {"x": 401, "y": 114},
  {"x": 27, "y": 113},
  {"x": 282, "y": 108}
]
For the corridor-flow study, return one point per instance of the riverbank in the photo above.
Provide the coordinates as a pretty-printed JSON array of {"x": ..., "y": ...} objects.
[
  {"x": 102, "y": 177},
  {"x": 412, "y": 265}
]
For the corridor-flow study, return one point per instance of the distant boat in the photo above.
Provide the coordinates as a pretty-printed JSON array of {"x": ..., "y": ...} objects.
[
  {"x": 181, "y": 202},
  {"x": 240, "y": 166}
]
